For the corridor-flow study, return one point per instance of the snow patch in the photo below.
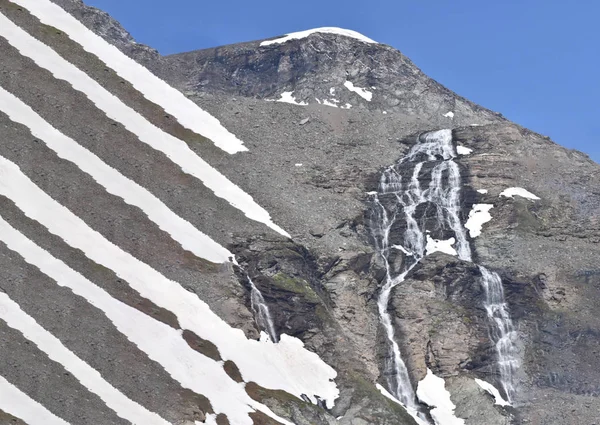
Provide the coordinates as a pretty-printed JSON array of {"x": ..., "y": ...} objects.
[
  {"x": 462, "y": 150},
  {"x": 478, "y": 216},
  {"x": 449, "y": 114},
  {"x": 298, "y": 165},
  {"x": 384, "y": 112},
  {"x": 519, "y": 191},
  {"x": 493, "y": 391},
  {"x": 364, "y": 93},
  {"x": 114, "y": 182},
  {"x": 288, "y": 97},
  {"x": 432, "y": 391},
  {"x": 331, "y": 103},
  {"x": 211, "y": 419},
  {"x": 175, "y": 149},
  {"x": 15, "y": 402},
  {"x": 159, "y": 341},
  {"x": 153, "y": 88},
  {"x": 347, "y": 106},
  {"x": 482, "y": 191},
  {"x": 445, "y": 246},
  {"x": 11, "y": 313},
  {"x": 332, "y": 91},
  {"x": 324, "y": 30},
  {"x": 287, "y": 365}
]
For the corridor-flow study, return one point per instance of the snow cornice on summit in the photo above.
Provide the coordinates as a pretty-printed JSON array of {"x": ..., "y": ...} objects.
[{"x": 324, "y": 30}]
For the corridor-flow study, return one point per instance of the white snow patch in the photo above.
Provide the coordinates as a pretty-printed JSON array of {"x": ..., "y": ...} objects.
[
  {"x": 432, "y": 391},
  {"x": 331, "y": 103},
  {"x": 384, "y": 112},
  {"x": 364, "y": 93},
  {"x": 372, "y": 193},
  {"x": 347, "y": 106},
  {"x": 332, "y": 91},
  {"x": 211, "y": 419},
  {"x": 298, "y": 165},
  {"x": 175, "y": 149},
  {"x": 288, "y": 97},
  {"x": 482, "y": 191},
  {"x": 114, "y": 182},
  {"x": 463, "y": 150},
  {"x": 153, "y": 88},
  {"x": 478, "y": 216},
  {"x": 486, "y": 386},
  {"x": 449, "y": 114},
  {"x": 324, "y": 30},
  {"x": 475, "y": 125},
  {"x": 159, "y": 341},
  {"x": 445, "y": 246},
  {"x": 90, "y": 378},
  {"x": 518, "y": 191},
  {"x": 286, "y": 365},
  {"x": 15, "y": 402}
]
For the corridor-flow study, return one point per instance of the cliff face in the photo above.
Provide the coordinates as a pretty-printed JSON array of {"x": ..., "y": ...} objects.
[{"x": 315, "y": 167}]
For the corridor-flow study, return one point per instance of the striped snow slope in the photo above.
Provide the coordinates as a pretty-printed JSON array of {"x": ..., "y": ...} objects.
[
  {"x": 17, "y": 319},
  {"x": 114, "y": 182},
  {"x": 159, "y": 341},
  {"x": 175, "y": 149},
  {"x": 153, "y": 88},
  {"x": 286, "y": 365},
  {"x": 20, "y": 405}
]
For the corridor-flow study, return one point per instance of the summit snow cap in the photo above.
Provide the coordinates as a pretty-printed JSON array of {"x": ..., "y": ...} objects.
[{"x": 324, "y": 30}]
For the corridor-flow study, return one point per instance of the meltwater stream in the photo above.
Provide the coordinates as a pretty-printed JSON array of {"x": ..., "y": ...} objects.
[
  {"x": 262, "y": 315},
  {"x": 502, "y": 331},
  {"x": 399, "y": 219}
]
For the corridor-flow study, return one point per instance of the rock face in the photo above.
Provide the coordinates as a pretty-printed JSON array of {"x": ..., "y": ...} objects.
[{"x": 311, "y": 165}]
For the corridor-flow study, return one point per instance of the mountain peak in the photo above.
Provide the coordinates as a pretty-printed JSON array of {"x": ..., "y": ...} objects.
[{"x": 323, "y": 30}]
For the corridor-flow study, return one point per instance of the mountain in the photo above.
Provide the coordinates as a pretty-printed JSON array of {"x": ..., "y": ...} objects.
[{"x": 302, "y": 230}]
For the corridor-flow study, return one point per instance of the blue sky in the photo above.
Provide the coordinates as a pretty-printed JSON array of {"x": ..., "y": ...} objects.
[{"x": 535, "y": 61}]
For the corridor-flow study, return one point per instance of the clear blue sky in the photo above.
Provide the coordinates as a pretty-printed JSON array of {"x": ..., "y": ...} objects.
[{"x": 535, "y": 61}]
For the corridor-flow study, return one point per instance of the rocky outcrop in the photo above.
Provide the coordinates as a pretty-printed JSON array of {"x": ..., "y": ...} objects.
[{"x": 317, "y": 70}]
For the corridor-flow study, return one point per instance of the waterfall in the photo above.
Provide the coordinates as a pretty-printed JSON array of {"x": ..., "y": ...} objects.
[
  {"x": 396, "y": 205},
  {"x": 262, "y": 316},
  {"x": 502, "y": 332}
]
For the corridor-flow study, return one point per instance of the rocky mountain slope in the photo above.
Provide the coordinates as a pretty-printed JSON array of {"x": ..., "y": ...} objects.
[{"x": 287, "y": 238}]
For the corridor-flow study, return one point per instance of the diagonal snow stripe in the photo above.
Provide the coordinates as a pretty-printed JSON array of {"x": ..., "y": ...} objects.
[
  {"x": 153, "y": 88},
  {"x": 114, "y": 182},
  {"x": 15, "y": 402},
  {"x": 175, "y": 149},
  {"x": 286, "y": 365},
  {"x": 160, "y": 342},
  {"x": 90, "y": 378}
]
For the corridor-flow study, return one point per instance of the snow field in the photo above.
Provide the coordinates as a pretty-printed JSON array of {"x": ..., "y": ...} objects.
[
  {"x": 125, "y": 408},
  {"x": 286, "y": 365},
  {"x": 175, "y": 149},
  {"x": 114, "y": 182},
  {"x": 153, "y": 88},
  {"x": 15, "y": 402}
]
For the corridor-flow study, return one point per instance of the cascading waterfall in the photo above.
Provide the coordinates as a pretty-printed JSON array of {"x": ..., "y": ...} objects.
[
  {"x": 404, "y": 204},
  {"x": 262, "y": 315},
  {"x": 502, "y": 331}
]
